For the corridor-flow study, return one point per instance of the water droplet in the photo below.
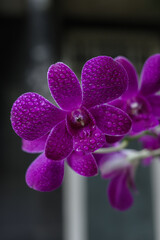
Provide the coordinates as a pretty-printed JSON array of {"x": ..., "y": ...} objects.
[
  {"x": 109, "y": 124},
  {"x": 97, "y": 135},
  {"x": 92, "y": 141},
  {"x": 85, "y": 148}
]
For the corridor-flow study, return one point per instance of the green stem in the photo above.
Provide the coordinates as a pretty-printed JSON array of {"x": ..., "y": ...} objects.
[
  {"x": 121, "y": 146},
  {"x": 144, "y": 154}
]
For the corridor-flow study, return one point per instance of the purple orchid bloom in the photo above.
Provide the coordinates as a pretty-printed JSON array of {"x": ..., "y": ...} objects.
[
  {"x": 75, "y": 129},
  {"x": 120, "y": 172},
  {"x": 141, "y": 103}
]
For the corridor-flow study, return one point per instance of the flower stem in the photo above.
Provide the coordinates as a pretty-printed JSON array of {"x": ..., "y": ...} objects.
[
  {"x": 137, "y": 156},
  {"x": 117, "y": 148},
  {"x": 144, "y": 154}
]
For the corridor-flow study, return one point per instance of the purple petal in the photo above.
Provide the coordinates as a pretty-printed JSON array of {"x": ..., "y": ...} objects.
[
  {"x": 89, "y": 140},
  {"x": 83, "y": 164},
  {"x": 111, "y": 120},
  {"x": 120, "y": 103},
  {"x": 147, "y": 161},
  {"x": 132, "y": 75},
  {"x": 59, "y": 143},
  {"x": 111, "y": 164},
  {"x": 143, "y": 122},
  {"x": 103, "y": 80},
  {"x": 150, "y": 76},
  {"x": 64, "y": 86},
  {"x": 154, "y": 101},
  {"x": 34, "y": 146},
  {"x": 150, "y": 142},
  {"x": 32, "y": 116},
  {"x": 119, "y": 194},
  {"x": 45, "y": 175}
]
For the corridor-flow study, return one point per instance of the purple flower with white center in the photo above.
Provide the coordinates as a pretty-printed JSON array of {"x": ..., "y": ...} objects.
[
  {"x": 120, "y": 172},
  {"x": 78, "y": 127},
  {"x": 142, "y": 103}
]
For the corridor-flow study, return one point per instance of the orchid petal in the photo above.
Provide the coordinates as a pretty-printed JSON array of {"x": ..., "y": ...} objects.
[
  {"x": 150, "y": 142},
  {"x": 32, "y": 116},
  {"x": 147, "y": 161},
  {"x": 132, "y": 75},
  {"x": 154, "y": 101},
  {"x": 34, "y": 146},
  {"x": 59, "y": 143},
  {"x": 143, "y": 122},
  {"x": 83, "y": 164},
  {"x": 111, "y": 164},
  {"x": 120, "y": 103},
  {"x": 89, "y": 140},
  {"x": 150, "y": 76},
  {"x": 111, "y": 120},
  {"x": 119, "y": 194},
  {"x": 103, "y": 80},
  {"x": 64, "y": 86},
  {"x": 45, "y": 175}
]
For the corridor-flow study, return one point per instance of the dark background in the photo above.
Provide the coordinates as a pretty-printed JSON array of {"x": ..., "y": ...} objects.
[{"x": 35, "y": 34}]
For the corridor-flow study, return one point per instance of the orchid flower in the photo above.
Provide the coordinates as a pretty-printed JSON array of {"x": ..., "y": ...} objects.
[
  {"x": 141, "y": 101},
  {"x": 78, "y": 127},
  {"x": 120, "y": 172}
]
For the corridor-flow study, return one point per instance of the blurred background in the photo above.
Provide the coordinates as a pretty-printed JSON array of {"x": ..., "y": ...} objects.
[{"x": 35, "y": 34}]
